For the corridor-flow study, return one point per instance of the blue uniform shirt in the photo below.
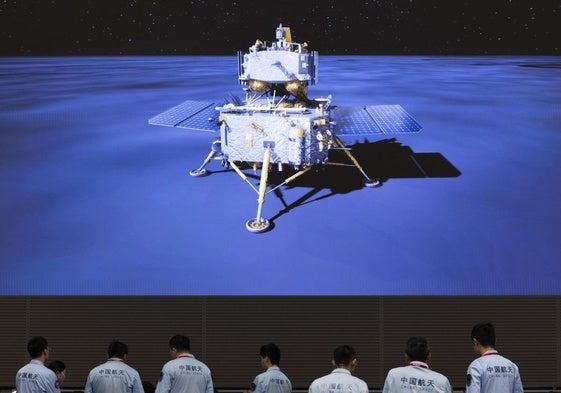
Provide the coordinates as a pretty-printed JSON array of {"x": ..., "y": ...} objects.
[
  {"x": 416, "y": 378},
  {"x": 114, "y": 376},
  {"x": 34, "y": 377},
  {"x": 339, "y": 381},
  {"x": 185, "y": 374},
  {"x": 271, "y": 381},
  {"x": 492, "y": 373}
]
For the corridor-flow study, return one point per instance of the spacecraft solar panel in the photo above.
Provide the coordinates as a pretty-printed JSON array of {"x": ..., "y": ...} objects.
[
  {"x": 374, "y": 119},
  {"x": 192, "y": 115}
]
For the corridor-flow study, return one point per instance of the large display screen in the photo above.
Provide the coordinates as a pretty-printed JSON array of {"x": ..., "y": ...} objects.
[{"x": 96, "y": 201}]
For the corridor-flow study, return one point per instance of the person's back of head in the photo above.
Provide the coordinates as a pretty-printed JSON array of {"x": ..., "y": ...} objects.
[
  {"x": 271, "y": 351},
  {"x": 343, "y": 355},
  {"x": 57, "y": 366},
  {"x": 117, "y": 349},
  {"x": 148, "y": 387},
  {"x": 180, "y": 343},
  {"x": 36, "y": 346},
  {"x": 417, "y": 349},
  {"x": 484, "y": 333}
]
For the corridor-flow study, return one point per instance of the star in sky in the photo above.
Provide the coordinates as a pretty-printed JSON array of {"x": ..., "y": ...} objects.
[{"x": 70, "y": 27}]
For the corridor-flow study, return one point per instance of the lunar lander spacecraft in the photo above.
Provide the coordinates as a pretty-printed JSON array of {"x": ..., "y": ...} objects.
[{"x": 275, "y": 124}]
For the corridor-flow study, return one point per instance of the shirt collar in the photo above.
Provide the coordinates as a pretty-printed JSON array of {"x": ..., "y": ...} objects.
[
  {"x": 36, "y": 361},
  {"x": 341, "y": 370},
  {"x": 416, "y": 363},
  {"x": 491, "y": 352}
]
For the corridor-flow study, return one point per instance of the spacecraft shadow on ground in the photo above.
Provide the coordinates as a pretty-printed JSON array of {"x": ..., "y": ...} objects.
[{"x": 386, "y": 159}]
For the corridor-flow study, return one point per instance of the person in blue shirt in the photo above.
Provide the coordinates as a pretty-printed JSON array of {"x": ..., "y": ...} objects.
[
  {"x": 184, "y": 373},
  {"x": 114, "y": 376},
  {"x": 35, "y": 377},
  {"x": 490, "y": 373},
  {"x": 340, "y": 380},
  {"x": 273, "y": 380}
]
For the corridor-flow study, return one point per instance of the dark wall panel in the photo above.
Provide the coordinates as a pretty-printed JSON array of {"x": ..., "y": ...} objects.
[
  {"x": 226, "y": 333},
  {"x": 306, "y": 329},
  {"x": 527, "y": 332},
  {"x": 14, "y": 328}
]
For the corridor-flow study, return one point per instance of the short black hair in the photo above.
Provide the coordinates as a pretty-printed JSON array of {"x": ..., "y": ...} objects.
[
  {"x": 484, "y": 332},
  {"x": 36, "y": 345},
  {"x": 417, "y": 348},
  {"x": 148, "y": 387},
  {"x": 272, "y": 352},
  {"x": 344, "y": 355},
  {"x": 57, "y": 366},
  {"x": 180, "y": 342},
  {"x": 117, "y": 349}
]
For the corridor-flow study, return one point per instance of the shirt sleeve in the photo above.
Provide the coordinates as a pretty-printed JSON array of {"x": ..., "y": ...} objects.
[
  {"x": 518, "y": 388},
  {"x": 209, "y": 384},
  {"x": 365, "y": 388},
  {"x": 164, "y": 383},
  {"x": 473, "y": 380},
  {"x": 311, "y": 389},
  {"x": 255, "y": 386},
  {"x": 387, "y": 384},
  {"x": 51, "y": 383},
  {"x": 448, "y": 387},
  {"x": 137, "y": 385},
  {"x": 88, "y": 387}
]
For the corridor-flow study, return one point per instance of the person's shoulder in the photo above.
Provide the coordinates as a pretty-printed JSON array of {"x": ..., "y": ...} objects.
[
  {"x": 433, "y": 371},
  {"x": 358, "y": 380},
  {"x": 396, "y": 370},
  {"x": 97, "y": 368},
  {"x": 507, "y": 360},
  {"x": 202, "y": 364},
  {"x": 439, "y": 375},
  {"x": 317, "y": 380},
  {"x": 277, "y": 372},
  {"x": 134, "y": 372},
  {"x": 321, "y": 379},
  {"x": 476, "y": 362},
  {"x": 171, "y": 363},
  {"x": 129, "y": 368},
  {"x": 24, "y": 367},
  {"x": 275, "y": 369}
]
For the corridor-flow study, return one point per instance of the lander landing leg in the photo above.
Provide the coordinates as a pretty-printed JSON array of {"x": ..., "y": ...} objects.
[
  {"x": 201, "y": 171},
  {"x": 260, "y": 224},
  {"x": 368, "y": 182}
]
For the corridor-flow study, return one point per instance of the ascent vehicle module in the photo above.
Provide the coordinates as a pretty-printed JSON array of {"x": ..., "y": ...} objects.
[{"x": 275, "y": 124}]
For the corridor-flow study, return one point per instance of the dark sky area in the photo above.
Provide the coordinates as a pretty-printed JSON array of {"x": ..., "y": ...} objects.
[{"x": 212, "y": 27}]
